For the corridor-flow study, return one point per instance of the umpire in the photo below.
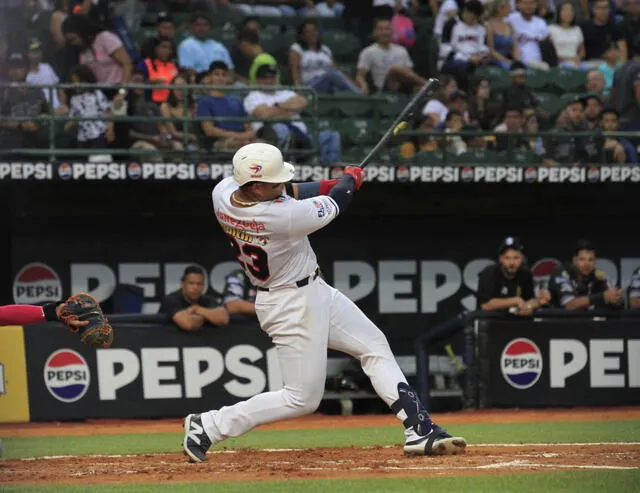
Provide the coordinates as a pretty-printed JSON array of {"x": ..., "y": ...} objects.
[
  {"x": 509, "y": 284},
  {"x": 578, "y": 285}
]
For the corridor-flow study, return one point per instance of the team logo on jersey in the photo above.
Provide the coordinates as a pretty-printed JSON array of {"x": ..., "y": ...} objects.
[
  {"x": 64, "y": 171},
  {"x": 521, "y": 363},
  {"x": 541, "y": 271},
  {"x": 319, "y": 208},
  {"x": 36, "y": 283},
  {"x": 402, "y": 173},
  {"x": 466, "y": 174},
  {"x": 593, "y": 174},
  {"x": 134, "y": 171},
  {"x": 203, "y": 171},
  {"x": 530, "y": 175},
  {"x": 256, "y": 168},
  {"x": 66, "y": 375}
]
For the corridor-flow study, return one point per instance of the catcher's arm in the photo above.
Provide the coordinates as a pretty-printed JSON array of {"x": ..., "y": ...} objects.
[{"x": 31, "y": 314}]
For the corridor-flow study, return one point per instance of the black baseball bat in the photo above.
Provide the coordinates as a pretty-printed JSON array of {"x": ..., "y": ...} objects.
[{"x": 401, "y": 121}]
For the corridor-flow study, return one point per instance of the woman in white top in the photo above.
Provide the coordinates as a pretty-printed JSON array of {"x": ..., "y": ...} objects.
[
  {"x": 311, "y": 63},
  {"x": 567, "y": 38},
  {"x": 437, "y": 108}
]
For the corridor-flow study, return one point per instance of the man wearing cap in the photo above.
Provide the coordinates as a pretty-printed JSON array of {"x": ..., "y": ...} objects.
[
  {"x": 578, "y": 285},
  {"x": 286, "y": 105},
  {"x": 519, "y": 94},
  {"x": 42, "y": 74},
  {"x": 20, "y": 101},
  {"x": 165, "y": 28},
  {"x": 509, "y": 284}
]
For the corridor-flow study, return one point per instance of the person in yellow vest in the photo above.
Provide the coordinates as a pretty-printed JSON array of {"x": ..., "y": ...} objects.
[{"x": 160, "y": 69}]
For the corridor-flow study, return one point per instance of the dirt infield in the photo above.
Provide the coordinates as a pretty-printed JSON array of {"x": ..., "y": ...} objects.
[{"x": 378, "y": 462}]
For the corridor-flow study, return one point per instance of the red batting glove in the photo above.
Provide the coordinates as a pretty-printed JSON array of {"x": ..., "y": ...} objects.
[{"x": 357, "y": 173}]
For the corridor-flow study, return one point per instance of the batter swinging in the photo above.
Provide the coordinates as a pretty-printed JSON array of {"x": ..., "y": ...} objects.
[{"x": 268, "y": 221}]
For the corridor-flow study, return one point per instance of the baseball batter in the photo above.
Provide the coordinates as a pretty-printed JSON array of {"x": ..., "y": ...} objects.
[{"x": 268, "y": 221}]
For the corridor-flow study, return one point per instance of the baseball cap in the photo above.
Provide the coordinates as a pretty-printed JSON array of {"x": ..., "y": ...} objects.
[
  {"x": 510, "y": 242},
  {"x": 260, "y": 162},
  {"x": 16, "y": 60},
  {"x": 518, "y": 68},
  {"x": 163, "y": 17},
  {"x": 34, "y": 44},
  {"x": 267, "y": 70}
]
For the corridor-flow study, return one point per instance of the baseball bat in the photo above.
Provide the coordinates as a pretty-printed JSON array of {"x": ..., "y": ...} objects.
[{"x": 400, "y": 122}]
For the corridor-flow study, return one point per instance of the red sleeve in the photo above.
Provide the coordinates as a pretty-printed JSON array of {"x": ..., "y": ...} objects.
[
  {"x": 326, "y": 186},
  {"x": 20, "y": 314}
]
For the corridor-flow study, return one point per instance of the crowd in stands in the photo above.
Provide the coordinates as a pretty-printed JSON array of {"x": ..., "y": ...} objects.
[{"x": 505, "y": 68}]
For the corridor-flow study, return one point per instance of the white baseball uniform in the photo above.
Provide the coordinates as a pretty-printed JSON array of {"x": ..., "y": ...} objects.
[{"x": 304, "y": 319}]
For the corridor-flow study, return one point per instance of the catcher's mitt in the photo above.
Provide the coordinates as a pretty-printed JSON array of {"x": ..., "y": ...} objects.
[{"x": 98, "y": 333}]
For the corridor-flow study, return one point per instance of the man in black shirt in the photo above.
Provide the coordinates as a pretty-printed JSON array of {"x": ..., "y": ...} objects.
[
  {"x": 509, "y": 285},
  {"x": 189, "y": 307},
  {"x": 600, "y": 31},
  {"x": 580, "y": 286}
]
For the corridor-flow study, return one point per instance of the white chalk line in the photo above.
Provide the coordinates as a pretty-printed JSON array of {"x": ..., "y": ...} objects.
[{"x": 280, "y": 450}]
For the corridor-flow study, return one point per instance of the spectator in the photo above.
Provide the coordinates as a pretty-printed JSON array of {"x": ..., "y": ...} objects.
[
  {"x": 330, "y": 8},
  {"x": 483, "y": 111},
  {"x": 512, "y": 124},
  {"x": 625, "y": 93},
  {"x": 179, "y": 104},
  {"x": 257, "y": 7},
  {"x": 580, "y": 286},
  {"x": 596, "y": 83},
  {"x": 453, "y": 123},
  {"x": 384, "y": 9},
  {"x": 42, "y": 74},
  {"x": 600, "y": 32},
  {"x": 474, "y": 142},
  {"x": 592, "y": 109},
  {"x": 630, "y": 26},
  {"x": 20, "y": 101},
  {"x": 146, "y": 134},
  {"x": 197, "y": 52},
  {"x": 160, "y": 69},
  {"x": 569, "y": 149},
  {"x": 311, "y": 63},
  {"x": 633, "y": 292},
  {"x": 609, "y": 66},
  {"x": 503, "y": 46},
  {"x": 165, "y": 28},
  {"x": 46, "y": 25},
  {"x": 189, "y": 307},
  {"x": 535, "y": 142},
  {"x": 87, "y": 102},
  {"x": 420, "y": 143},
  {"x": 98, "y": 48},
  {"x": 437, "y": 108},
  {"x": 263, "y": 59},
  {"x": 617, "y": 149},
  {"x": 239, "y": 295},
  {"x": 519, "y": 94},
  {"x": 567, "y": 37},
  {"x": 245, "y": 51},
  {"x": 447, "y": 11},
  {"x": 286, "y": 105},
  {"x": 468, "y": 48},
  {"x": 225, "y": 135},
  {"x": 383, "y": 66},
  {"x": 530, "y": 31},
  {"x": 508, "y": 285}
]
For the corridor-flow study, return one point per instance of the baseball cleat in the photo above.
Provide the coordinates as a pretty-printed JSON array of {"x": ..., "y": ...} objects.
[
  {"x": 436, "y": 442},
  {"x": 196, "y": 442}
]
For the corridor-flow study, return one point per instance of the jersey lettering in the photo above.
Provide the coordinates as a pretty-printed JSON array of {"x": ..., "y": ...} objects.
[{"x": 252, "y": 258}]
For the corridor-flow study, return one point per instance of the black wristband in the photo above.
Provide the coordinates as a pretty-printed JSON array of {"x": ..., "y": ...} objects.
[
  {"x": 49, "y": 311},
  {"x": 597, "y": 299}
]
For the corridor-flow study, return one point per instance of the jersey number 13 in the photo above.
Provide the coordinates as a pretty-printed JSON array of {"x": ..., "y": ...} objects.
[{"x": 252, "y": 258}]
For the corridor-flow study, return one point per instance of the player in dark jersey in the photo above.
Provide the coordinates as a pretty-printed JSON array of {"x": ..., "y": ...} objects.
[{"x": 239, "y": 294}]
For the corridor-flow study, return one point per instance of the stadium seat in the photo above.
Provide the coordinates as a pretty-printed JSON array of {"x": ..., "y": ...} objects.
[
  {"x": 498, "y": 76},
  {"x": 523, "y": 158},
  {"x": 567, "y": 80},
  {"x": 360, "y": 131},
  {"x": 538, "y": 79},
  {"x": 225, "y": 36},
  {"x": 483, "y": 157},
  {"x": 430, "y": 158},
  {"x": 344, "y": 104},
  {"x": 551, "y": 103},
  {"x": 393, "y": 103},
  {"x": 345, "y": 46}
]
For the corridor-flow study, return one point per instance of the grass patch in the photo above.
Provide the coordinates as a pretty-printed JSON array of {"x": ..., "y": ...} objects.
[
  {"x": 554, "y": 432},
  {"x": 557, "y": 482}
]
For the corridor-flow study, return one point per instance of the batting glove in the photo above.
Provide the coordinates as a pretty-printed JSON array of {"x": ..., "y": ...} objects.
[{"x": 357, "y": 173}]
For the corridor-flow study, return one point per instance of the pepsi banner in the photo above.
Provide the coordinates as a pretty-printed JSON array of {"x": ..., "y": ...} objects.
[
  {"x": 132, "y": 171},
  {"x": 558, "y": 362},
  {"x": 150, "y": 371}
]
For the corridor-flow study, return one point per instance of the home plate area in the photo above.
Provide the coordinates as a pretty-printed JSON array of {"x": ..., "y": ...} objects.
[{"x": 379, "y": 462}]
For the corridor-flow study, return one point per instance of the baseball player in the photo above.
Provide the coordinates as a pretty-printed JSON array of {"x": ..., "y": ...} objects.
[{"x": 268, "y": 221}]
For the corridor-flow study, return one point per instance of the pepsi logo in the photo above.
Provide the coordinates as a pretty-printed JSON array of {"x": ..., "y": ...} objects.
[
  {"x": 64, "y": 171},
  {"x": 134, "y": 171},
  {"x": 593, "y": 174},
  {"x": 530, "y": 175},
  {"x": 402, "y": 173},
  {"x": 521, "y": 363},
  {"x": 66, "y": 375},
  {"x": 466, "y": 174},
  {"x": 541, "y": 271},
  {"x": 203, "y": 171},
  {"x": 36, "y": 283}
]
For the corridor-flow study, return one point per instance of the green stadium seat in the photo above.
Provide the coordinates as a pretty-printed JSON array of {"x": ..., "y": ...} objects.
[
  {"x": 344, "y": 104},
  {"x": 538, "y": 79},
  {"x": 142, "y": 35},
  {"x": 227, "y": 37},
  {"x": 551, "y": 103},
  {"x": 498, "y": 76},
  {"x": 348, "y": 69},
  {"x": 567, "y": 80},
  {"x": 430, "y": 158},
  {"x": 393, "y": 103},
  {"x": 345, "y": 46},
  {"x": 477, "y": 156},
  {"x": 523, "y": 158},
  {"x": 360, "y": 131}
]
